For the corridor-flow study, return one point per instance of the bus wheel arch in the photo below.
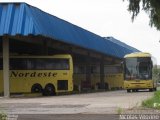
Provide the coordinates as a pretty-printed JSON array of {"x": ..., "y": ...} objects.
[
  {"x": 36, "y": 88},
  {"x": 49, "y": 89}
]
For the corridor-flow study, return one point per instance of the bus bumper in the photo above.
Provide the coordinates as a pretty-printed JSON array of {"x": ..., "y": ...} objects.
[{"x": 138, "y": 84}]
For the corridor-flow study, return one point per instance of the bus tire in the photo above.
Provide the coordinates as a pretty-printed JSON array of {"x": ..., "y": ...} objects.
[
  {"x": 155, "y": 89},
  {"x": 134, "y": 90},
  {"x": 151, "y": 89},
  {"x": 75, "y": 87},
  {"x": 128, "y": 90},
  {"x": 106, "y": 86},
  {"x": 36, "y": 88},
  {"x": 49, "y": 90}
]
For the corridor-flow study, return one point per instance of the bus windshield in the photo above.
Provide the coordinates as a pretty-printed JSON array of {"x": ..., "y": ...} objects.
[{"x": 138, "y": 68}]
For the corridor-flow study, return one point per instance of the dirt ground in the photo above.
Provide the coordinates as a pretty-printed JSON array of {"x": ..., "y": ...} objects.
[{"x": 111, "y": 102}]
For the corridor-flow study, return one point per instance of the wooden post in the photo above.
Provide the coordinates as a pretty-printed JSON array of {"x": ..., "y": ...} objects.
[{"x": 6, "y": 66}]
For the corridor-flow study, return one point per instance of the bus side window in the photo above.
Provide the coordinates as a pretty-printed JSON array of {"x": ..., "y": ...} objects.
[
  {"x": 18, "y": 64},
  {"x": 40, "y": 64},
  {"x": 61, "y": 64}
]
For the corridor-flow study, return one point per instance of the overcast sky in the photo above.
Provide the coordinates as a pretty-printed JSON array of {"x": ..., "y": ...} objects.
[{"x": 105, "y": 18}]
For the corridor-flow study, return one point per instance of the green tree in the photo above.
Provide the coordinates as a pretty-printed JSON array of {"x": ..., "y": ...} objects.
[{"x": 151, "y": 7}]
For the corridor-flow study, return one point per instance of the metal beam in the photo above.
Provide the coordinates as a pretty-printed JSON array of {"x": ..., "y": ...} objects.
[{"x": 6, "y": 66}]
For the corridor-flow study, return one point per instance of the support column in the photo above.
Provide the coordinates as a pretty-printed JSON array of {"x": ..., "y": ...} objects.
[
  {"x": 88, "y": 70},
  {"x": 102, "y": 82},
  {"x": 6, "y": 66}
]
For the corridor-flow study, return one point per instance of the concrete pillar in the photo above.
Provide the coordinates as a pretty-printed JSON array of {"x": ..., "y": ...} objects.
[
  {"x": 88, "y": 70},
  {"x": 102, "y": 82},
  {"x": 6, "y": 66}
]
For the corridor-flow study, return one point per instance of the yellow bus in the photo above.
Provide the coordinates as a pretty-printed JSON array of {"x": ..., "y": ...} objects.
[
  {"x": 138, "y": 72},
  {"x": 114, "y": 76},
  {"x": 40, "y": 74}
]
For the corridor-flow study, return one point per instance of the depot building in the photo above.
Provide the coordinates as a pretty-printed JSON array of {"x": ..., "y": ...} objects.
[{"x": 27, "y": 30}]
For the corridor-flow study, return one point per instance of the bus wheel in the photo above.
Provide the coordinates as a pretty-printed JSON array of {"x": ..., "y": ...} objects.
[
  {"x": 151, "y": 89},
  {"x": 155, "y": 89},
  {"x": 49, "y": 90},
  {"x": 75, "y": 88},
  {"x": 136, "y": 90},
  {"x": 128, "y": 90},
  {"x": 36, "y": 88},
  {"x": 106, "y": 86}
]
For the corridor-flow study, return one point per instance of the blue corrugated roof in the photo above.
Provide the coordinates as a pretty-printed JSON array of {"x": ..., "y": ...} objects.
[
  {"x": 23, "y": 19},
  {"x": 120, "y": 43}
]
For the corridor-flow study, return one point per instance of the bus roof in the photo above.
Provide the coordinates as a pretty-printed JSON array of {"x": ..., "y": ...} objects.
[{"x": 138, "y": 54}]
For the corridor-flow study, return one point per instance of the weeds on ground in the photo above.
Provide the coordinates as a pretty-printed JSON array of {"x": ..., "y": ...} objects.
[
  {"x": 119, "y": 110},
  {"x": 153, "y": 102},
  {"x": 3, "y": 116}
]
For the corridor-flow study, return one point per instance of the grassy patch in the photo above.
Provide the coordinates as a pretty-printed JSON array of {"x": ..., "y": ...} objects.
[
  {"x": 119, "y": 110},
  {"x": 153, "y": 102},
  {"x": 3, "y": 116}
]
